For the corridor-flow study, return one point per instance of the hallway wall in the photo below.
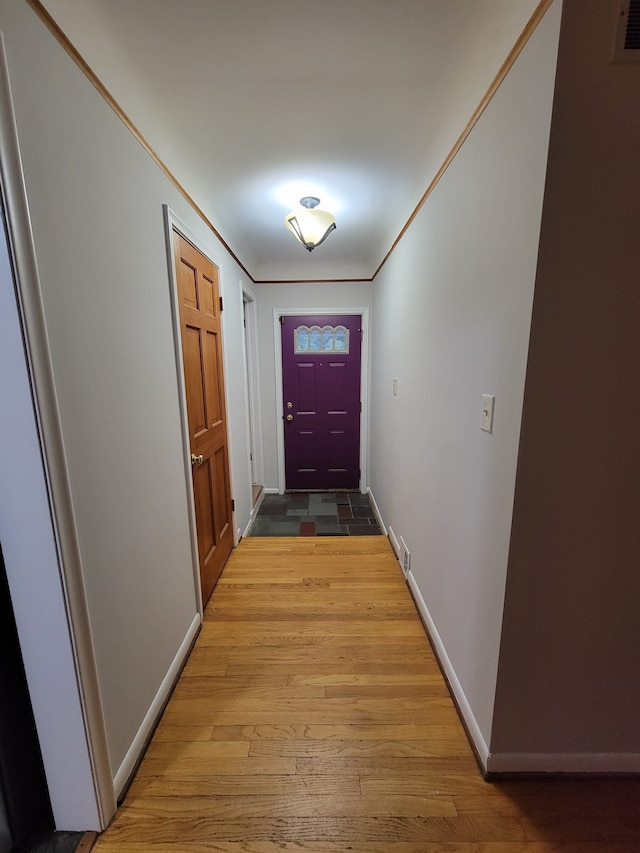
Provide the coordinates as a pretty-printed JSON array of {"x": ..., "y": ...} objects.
[
  {"x": 96, "y": 203},
  {"x": 569, "y": 681},
  {"x": 451, "y": 316}
]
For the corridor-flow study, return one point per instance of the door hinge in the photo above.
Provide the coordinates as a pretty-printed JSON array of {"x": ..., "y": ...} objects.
[
  {"x": 233, "y": 506},
  {"x": 221, "y": 304},
  {"x": 281, "y": 320}
]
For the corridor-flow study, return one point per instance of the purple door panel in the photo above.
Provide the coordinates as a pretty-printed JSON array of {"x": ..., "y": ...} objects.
[{"x": 321, "y": 407}]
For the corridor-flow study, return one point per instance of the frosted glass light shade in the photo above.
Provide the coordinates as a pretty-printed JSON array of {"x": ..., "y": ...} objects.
[{"x": 310, "y": 226}]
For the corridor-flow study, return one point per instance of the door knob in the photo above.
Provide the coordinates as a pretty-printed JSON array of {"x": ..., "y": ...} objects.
[
  {"x": 197, "y": 460},
  {"x": 289, "y": 417}
]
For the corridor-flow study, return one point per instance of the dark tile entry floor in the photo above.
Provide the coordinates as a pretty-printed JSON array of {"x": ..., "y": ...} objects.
[
  {"x": 56, "y": 842},
  {"x": 316, "y": 514}
]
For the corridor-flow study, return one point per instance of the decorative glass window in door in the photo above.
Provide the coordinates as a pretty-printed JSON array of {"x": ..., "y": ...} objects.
[{"x": 321, "y": 339}]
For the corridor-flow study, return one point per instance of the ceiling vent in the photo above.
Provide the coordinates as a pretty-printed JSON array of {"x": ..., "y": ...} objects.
[{"x": 628, "y": 32}]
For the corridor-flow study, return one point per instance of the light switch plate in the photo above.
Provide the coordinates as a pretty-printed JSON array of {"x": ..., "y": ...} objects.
[
  {"x": 395, "y": 386},
  {"x": 488, "y": 402}
]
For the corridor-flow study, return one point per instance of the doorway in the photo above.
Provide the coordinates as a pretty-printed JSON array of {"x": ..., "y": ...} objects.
[
  {"x": 252, "y": 390},
  {"x": 25, "y": 807},
  {"x": 321, "y": 376}
]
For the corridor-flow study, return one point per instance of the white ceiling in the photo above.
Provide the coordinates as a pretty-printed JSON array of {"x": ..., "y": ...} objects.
[{"x": 254, "y": 103}]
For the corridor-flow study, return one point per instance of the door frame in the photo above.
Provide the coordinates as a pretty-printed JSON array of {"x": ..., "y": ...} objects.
[
  {"x": 58, "y": 653},
  {"x": 364, "y": 384},
  {"x": 252, "y": 376},
  {"x": 172, "y": 223}
]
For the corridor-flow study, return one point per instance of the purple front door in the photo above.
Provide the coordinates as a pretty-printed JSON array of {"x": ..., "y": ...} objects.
[{"x": 321, "y": 405}]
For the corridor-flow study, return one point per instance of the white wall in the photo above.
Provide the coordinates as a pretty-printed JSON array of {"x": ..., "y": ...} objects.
[
  {"x": 451, "y": 321},
  {"x": 96, "y": 206},
  {"x": 286, "y": 297},
  {"x": 569, "y": 681}
]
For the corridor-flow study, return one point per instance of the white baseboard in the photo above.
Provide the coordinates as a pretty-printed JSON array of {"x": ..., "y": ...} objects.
[
  {"x": 564, "y": 762},
  {"x": 376, "y": 510},
  {"x": 146, "y": 729},
  {"x": 526, "y": 763},
  {"x": 473, "y": 729},
  {"x": 256, "y": 507},
  {"x": 393, "y": 539}
]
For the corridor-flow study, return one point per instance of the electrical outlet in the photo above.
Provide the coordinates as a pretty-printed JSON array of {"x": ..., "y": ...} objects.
[
  {"x": 395, "y": 387},
  {"x": 405, "y": 557}
]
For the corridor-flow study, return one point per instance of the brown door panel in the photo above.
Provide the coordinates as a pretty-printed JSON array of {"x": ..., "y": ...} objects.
[{"x": 199, "y": 301}]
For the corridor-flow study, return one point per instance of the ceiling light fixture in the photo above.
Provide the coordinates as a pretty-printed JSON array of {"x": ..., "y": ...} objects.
[{"x": 310, "y": 226}]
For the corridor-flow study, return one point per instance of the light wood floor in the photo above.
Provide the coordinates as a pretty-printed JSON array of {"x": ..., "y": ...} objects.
[{"x": 312, "y": 716}]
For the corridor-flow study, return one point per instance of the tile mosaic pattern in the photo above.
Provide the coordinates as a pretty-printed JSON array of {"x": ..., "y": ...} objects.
[{"x": 316, "y": 514}]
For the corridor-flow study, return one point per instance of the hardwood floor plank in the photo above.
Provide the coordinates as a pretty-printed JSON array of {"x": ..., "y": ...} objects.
[
  {"x": 86, "y": 842},
  {"x": 313, "y": 829},
  {"x": 312, "y": 718},
  {"x": 298, "y": 657},
  {"x": 183, "y": 734},
  {"x": 203, "y": 687},
  {"x": 198, "y": 673},
  {"x": 316, "y": 590},
  {"x": 208, "y": 750},
  {"x": 312, "y": 711},
  {"x": 206, "y": 785},
  {"x": 348, "y": 680},
  {"x": 451, "y": 733},
  {"x": 382, "y": 691},
  {"x": 318, "y": 613},
  {"x": 326, "y": 545},
  {"x": 188, "y": 766},
  {"x": 370, "y": 847},
  {"x": 344, "y": 666},
  {"x": 442, "y": 775},
  {"x": 292, "y": 805},
  {"x": 353, "y": 748},
  {"x": 416, "y": 645},
  {"x": 400, "y": 767},
  {"x": 343, "y": 628}
]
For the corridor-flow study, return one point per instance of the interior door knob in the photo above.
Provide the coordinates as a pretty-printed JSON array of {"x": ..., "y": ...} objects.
[
  {"x": 289, "y": 417},
  {"x": 197, "y": 460}
]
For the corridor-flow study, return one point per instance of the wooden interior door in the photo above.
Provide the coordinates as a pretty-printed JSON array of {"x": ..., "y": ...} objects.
[{"x": 200, "y": 327}]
